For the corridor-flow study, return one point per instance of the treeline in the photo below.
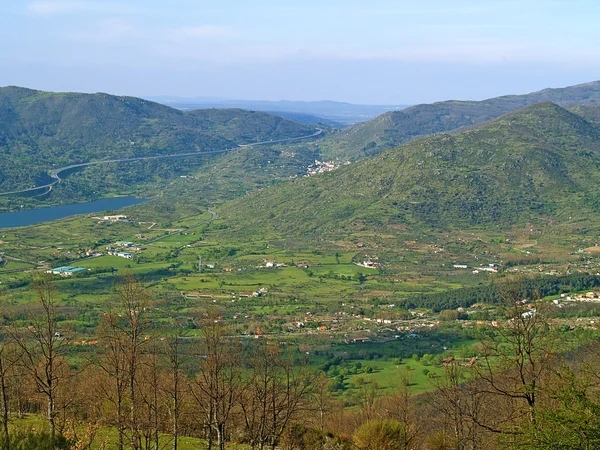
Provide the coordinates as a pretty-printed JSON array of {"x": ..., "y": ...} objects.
[{"x": 497, "y": 292}]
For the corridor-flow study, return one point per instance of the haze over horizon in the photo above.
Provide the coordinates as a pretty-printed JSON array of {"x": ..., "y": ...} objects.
[{"x": 387, "y": 53}]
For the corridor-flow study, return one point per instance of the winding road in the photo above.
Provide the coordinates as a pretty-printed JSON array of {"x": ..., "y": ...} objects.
[{"x": 55, "y": 173}]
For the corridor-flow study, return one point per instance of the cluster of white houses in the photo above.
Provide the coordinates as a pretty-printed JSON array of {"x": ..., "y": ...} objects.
[
  {"x": 118, "y": 249},
  {"x": 121, "y": 254},
  {"x": 592, "y": 297},
  {"x": 489, "y": 268},
  {"x": 321, "y": 167}
]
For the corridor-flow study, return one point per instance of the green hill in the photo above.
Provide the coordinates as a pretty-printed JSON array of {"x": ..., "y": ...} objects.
[
  {"x": 590, "y": 112},
  {"x": 397, "y": 127},
  {"x": 536, "y": 164},
  {"x": 42, "y": 130}
]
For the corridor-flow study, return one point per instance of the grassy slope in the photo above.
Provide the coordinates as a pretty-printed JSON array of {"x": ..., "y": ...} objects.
[
  {"x": 537, "y": 163},
  {"x": 393, "y": 128}
]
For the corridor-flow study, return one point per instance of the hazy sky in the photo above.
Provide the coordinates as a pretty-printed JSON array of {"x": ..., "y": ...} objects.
[{"x": 361, "y": 51}]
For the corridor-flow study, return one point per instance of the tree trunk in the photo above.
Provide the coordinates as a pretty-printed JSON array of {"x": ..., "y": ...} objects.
[
  {"x": 51, "y": 417},
  {"x": 135, "y": 438},
  {"x": 4, "y": 408},
  {"x": 175, "y": 428}
]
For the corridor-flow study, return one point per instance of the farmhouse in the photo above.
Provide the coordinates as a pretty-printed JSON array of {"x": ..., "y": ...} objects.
[
  {"x": 124, "y": 244},
  {"x": 116, "y": 218},
  {"x": 370, "y": 265},
  {"x": 66, "y": 271}
]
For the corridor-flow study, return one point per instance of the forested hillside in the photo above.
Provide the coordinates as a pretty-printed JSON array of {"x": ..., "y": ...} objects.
[
  {"x": 396, "y": 127},
  {"x": 537, "y": 164},
  {"x": 43, "y": 130}
]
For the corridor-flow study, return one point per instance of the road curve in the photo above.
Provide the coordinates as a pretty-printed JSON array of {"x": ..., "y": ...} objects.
[{"x": 55, "y": 173}]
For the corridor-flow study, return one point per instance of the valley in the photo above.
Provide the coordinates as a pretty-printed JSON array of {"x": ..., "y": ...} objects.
[{"x": 376, "y": 276}]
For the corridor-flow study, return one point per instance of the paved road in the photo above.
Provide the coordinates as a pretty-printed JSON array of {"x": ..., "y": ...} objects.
[{"x": 55, "y": 173}]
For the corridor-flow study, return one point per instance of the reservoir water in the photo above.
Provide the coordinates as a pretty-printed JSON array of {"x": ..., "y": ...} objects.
[{"x": 33, "y": 216}]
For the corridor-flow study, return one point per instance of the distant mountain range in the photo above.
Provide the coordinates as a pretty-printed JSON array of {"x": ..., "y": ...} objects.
[
  {"x": 539, "y": 164},
  {"x": 397, "y": 127},
  {"x": 326, "y": 112}
]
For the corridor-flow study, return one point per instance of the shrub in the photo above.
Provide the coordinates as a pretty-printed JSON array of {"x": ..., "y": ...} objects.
[
  {"x": 33, "y": 440},
  {"x": 380, "y": 435}
]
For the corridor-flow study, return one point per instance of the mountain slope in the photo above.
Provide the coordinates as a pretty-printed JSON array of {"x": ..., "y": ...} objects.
[
  {"x": 590, "y": 112},
  {"x": 40, "y": 130},
  {"x": 538, "y": 163},
  {"x": 396, "y": 127}
]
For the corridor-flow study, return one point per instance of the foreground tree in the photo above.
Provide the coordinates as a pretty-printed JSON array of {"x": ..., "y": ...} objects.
[
  {"x": 175, "y": 384},
  {"x": 568, "y": 417},
  {"x": 151, "y": 394},
  {"x": 133, "y": 299},
  {"x": 217, "y": 385},
  {"x": 517, "y": 359},
  {"x": 274, "y": 395},
  {"x": 122, "y": 337},
  {"x": 401, "y": 407},
  {"x": 43, "y": 349},
  {"x": 451, "y": 403},
  {"x": 9, "y": 357},
  {"x": 112, "y": 381}
]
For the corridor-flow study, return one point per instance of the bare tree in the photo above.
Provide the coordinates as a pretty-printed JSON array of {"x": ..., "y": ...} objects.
[
  {"x": 44, "y": 350},
  {"x": 150, "y": 392},
  {"x": 401, "y": 408},
  {"x": 321, "y": 399},
  {"x": 133, "y": 299},
  {"x": 113, "y": 363},
  {"x": 369, "y": 395},
  {"x": 217, "y": 386},
  {"x": 174, "y": 386},
  {"x": 9, "y": 357},
  {"x": 275, "y": 394},
  {"x": 517, "y": 357},
  {"x": 449, "y": 400},
  {"x": 122, "y": 336}
]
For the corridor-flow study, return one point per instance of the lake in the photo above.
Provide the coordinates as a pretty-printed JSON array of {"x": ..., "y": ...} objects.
[{"x": 33, "y": 216}]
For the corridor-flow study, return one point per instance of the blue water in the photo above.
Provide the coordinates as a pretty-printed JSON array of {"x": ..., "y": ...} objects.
[{"x": 33, "y": 216}]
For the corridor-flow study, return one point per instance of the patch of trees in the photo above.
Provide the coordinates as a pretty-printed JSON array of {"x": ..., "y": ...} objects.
[
  {"x": 150, "y": 389},
  {"x": 494, "y": 293}
]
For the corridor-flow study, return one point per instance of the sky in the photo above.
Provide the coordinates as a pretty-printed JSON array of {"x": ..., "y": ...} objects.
[{"x": 372, "y": 52}]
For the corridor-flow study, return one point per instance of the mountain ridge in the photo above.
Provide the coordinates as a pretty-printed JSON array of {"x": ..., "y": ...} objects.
[
  {"x": 539, "y": 163},
  {"x": 397, "y": 127}
]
